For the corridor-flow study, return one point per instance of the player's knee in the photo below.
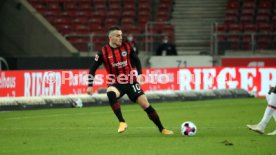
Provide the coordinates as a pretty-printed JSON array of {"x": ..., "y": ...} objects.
[
  {"x": 143, "y": 102},
  {"x": 272, "y": 99},
  {"x": 267, "y": 96},
  {"x": 111, "y": 97}
]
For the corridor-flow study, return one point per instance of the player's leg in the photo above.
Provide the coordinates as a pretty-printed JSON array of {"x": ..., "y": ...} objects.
[
  {"x": 270, "y": 109},
  {"x": 273, "y": 103},
  {"x": 113, "y": 94},
  {"x": 136, "y": 94},
  {"x": 267, "y": 99},
  {"x": 152, "y": 114},
  {"x": 273, "y": 132}
]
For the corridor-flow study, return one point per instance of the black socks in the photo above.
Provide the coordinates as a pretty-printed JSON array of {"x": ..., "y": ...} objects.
[
  {"x": 154, "y": 117},
  {"x": 115, "y": 105}
]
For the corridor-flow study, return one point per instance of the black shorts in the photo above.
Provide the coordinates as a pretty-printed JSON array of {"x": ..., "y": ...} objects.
[
  {"x": 133, "y": 91},
  {"x": 272, "y": 90}
]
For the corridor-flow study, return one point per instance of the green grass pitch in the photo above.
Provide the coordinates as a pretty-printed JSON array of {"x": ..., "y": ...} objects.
[{"x": 93, "y": 130}]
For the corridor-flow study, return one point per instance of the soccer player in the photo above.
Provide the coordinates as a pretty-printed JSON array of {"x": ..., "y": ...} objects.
[
  {"x": 269, "y": 112},
  {"x": 119, "y": 60}
]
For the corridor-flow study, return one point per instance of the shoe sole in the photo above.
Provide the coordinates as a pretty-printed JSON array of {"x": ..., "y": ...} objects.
[
  {"x": 258, "y": 131},
  {"x": 122, "y": 130},
  {"x": 271, "y": 134}
]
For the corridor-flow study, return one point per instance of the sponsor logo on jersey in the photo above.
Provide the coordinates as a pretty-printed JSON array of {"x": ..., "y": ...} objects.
[
  {"x": 124, "y": 53},
  {"x": 120, "y": 64}
]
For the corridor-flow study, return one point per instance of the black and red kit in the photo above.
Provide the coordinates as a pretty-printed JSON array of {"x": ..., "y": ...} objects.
[{"x": 121, "y": 61}]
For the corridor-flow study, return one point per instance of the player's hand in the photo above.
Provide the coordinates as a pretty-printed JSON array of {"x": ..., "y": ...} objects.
[
  {"x": 89, "y": 90},
  {"x": 141, "y": 79}
]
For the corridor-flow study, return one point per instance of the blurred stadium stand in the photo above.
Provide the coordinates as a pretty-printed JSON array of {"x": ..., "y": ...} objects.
[
  {"x": 84, "y": 22},
  {"x": 45, "y": 28},
  {"x": 249, "y": 25}
]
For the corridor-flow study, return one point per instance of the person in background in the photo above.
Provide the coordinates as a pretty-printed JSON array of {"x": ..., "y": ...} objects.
[
  {"x": 131, "y": 41},
  {"x": 166, "y": 48}
]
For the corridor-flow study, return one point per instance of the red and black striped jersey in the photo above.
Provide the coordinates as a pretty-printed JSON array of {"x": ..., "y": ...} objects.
[{"x": 119, "y": 62}]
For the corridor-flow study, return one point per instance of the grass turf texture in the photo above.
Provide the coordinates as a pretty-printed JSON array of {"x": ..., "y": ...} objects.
[{"x": 93, "y": 130}]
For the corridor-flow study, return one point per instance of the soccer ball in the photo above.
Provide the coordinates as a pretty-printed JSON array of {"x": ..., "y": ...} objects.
[
  {"x": 77, "y": 103},
  {"x": 188, "y": 128}
]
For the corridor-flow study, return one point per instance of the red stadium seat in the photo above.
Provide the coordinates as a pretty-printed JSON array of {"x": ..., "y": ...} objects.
[
  {"x": 263, "y": 12},
  {"x": 114, "y": 14},
  {"x": 129, "y": 14},
  {"x": 144, "y": 13},
  {"x": 99, "y": 14},
  {"x": 94, "y": 21},
  {"x": 262, "y": 19},
  {"x": 274, "y": 25},
  {"x": 64, "y": 28},
  {"x": 127, "y": 21},
  {"x": 110, "y": 22},
  {"x": 249, "y": 5},
  {"x": 49, "y": 13},
  {"x": 234, "y": 28},
  {"x": 263, "y": 42},
  {"x": 83, "y": 1},
  {"x": 273, "y": 42},
  {"x": 221, "y": 28},
  {"x": 98, "y": 42},
  {"x": 230, "y": 19},
  {"x": 234, "y": 41},
  {"x": 79, "y": 20},
  {"x": 81, "y": 29},
  {"x": 63, "y": 20},
  {"x": 129, "y": 6},
  {"x": 247, "y": 12},
  {"x": 246, "y": 19},
  {"x": 233, "y": 4},
  {"x": 70, "y": 6},
  {"x": 100, "y": 7},
  {"x": 132, "y": 29},
  {"x": 144, "y": 7},
  {"x": 115, "y": 6},
  {"x": 167, "y": 2},
  {"x": 264, "y": 27},
  {"x": 86, "y": 14},
  {"x": 163, "y": 16},
  {"x": 165, "y": 7},
  {"x": 265, "y": 4},
  {"x": 232, "y": 12},
  {"x": 96, "y": 28},
  {"x": 85, "y": 6},
  {"x": 248, "y": 29},
  {"x": 143, "y": 20},
  {"x": 53, "y": 7},
  {"x": 99, "y": 2}
]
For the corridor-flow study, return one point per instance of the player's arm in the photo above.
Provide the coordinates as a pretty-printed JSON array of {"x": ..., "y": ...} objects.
[
  {"x": 136, "y": 61},
  {"x": 98, "y": 60}
]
